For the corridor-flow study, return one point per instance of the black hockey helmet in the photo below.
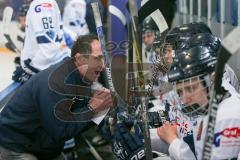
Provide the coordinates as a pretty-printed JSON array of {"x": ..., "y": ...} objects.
[
  {"x": 194, "y": 63},
  {"x": 149, "y": 25},
  {"x": 179, "y": 35},
  {"x": 23, "y": 10},
  {"x": 190, "y": 29},
  {"x": 197, "y": 57}
]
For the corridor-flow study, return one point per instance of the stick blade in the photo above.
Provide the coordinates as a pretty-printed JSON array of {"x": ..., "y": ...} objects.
[{"x": 7, "y": 17}]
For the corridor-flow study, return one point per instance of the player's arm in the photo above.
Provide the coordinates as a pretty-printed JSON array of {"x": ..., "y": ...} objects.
[{"x": 179, "y": 148}]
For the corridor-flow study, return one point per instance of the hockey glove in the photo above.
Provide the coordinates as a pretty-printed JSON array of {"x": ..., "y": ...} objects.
[
  {"x": 19, "y": 75},
  {"x": 128, "y": 145},
  {"x": 127, "y": 120},
  {"x": 155, "y": 119}
]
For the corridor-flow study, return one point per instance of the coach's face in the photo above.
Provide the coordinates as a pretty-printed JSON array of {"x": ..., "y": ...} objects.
[{"x": 92, "y": 64}]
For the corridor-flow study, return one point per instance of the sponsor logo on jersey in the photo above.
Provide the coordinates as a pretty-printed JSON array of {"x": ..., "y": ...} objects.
[
  {"x": 227, "y": 137},
  {"x": 183, "y": 126},
  {"x": 39, "y": 7}
]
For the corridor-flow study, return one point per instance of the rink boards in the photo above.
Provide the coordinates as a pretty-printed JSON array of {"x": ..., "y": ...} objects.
[{"x": 7, "y": 86}]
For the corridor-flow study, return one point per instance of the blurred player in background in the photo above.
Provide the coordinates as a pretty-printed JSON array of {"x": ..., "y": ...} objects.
[
  {"x": 149, "y": 32},
  {"x": 44, "y": 43},
  {"x": 74, "y": 17}
]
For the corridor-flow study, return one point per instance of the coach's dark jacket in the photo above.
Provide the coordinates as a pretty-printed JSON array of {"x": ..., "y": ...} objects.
[{"x": 32, "y": 121}]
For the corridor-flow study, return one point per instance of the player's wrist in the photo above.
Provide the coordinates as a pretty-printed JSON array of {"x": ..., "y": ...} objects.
[
  {"x": 171, "y": 138},
  {"x": 91, "y": 108}
]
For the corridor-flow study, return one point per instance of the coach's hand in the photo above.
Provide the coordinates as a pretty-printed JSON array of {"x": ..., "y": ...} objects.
[{"x": 101, "y": 100}]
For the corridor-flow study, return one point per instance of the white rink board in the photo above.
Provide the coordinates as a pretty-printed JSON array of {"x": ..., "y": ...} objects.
[{"x": 7, "y": 67}]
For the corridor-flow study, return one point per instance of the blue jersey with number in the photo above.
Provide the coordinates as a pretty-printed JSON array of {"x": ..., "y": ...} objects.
[{"x": 44, "y": 42}]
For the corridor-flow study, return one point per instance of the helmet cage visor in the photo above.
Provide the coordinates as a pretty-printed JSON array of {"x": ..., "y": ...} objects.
[{"x": 194, "y": 95}]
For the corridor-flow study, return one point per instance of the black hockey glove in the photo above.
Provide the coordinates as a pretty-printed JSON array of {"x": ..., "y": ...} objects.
[
  {"x": 19, "y": 75},
  {"x": 128, "y": 144},
  {"x": 155, "y": 120}
]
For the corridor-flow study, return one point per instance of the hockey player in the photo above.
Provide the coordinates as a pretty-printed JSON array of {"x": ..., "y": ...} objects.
[
  {"x": 177, "y": 38},
  {"x": 21, "y": 34},
  {"x": 196, "y": 39},
  {"x": 192, "y": 74},
  {"x": 22, "y": 23},
  {"x": 148, "y": 37},
  {"x": 22, "y": 20},
  {"x": 44, "y": 41},
  {"x": 74, "y": 17},
  {"x": 48, "y": 109},
  {"x": 22, "y": 16}
]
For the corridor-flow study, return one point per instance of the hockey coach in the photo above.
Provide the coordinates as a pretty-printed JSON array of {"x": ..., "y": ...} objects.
[{"x": 54, "y": 105}]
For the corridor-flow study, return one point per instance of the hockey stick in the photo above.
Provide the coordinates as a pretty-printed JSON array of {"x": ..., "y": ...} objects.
[
  {"x": 230, "y": 45},
  {"x": 92, "y": 149},
  {"x": 7, "y": 17},
  {"x": 10, "y": 44},
  {"x": 7, "y": 93},
  {"x": 109, "y": 82},
  {"x": 100, "y": 33},
  {"x": 155, "y": 13},
  {"x": 137, "y": 49},
  {"x": 150, "y": 7}
]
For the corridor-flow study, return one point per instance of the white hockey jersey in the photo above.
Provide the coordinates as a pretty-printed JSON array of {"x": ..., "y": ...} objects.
[
  {"x": 44, "y": 41},
  {"x": 183, "y": 122},
  {"x": 231, "y": 77},
  {"x": 227, "y": 132},
  {"x": 148, "y": 56},
  {"x": 74, "y": 17}
]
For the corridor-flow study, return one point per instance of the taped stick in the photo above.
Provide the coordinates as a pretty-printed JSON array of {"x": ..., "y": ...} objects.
[{"x": 230, "y": 46}]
